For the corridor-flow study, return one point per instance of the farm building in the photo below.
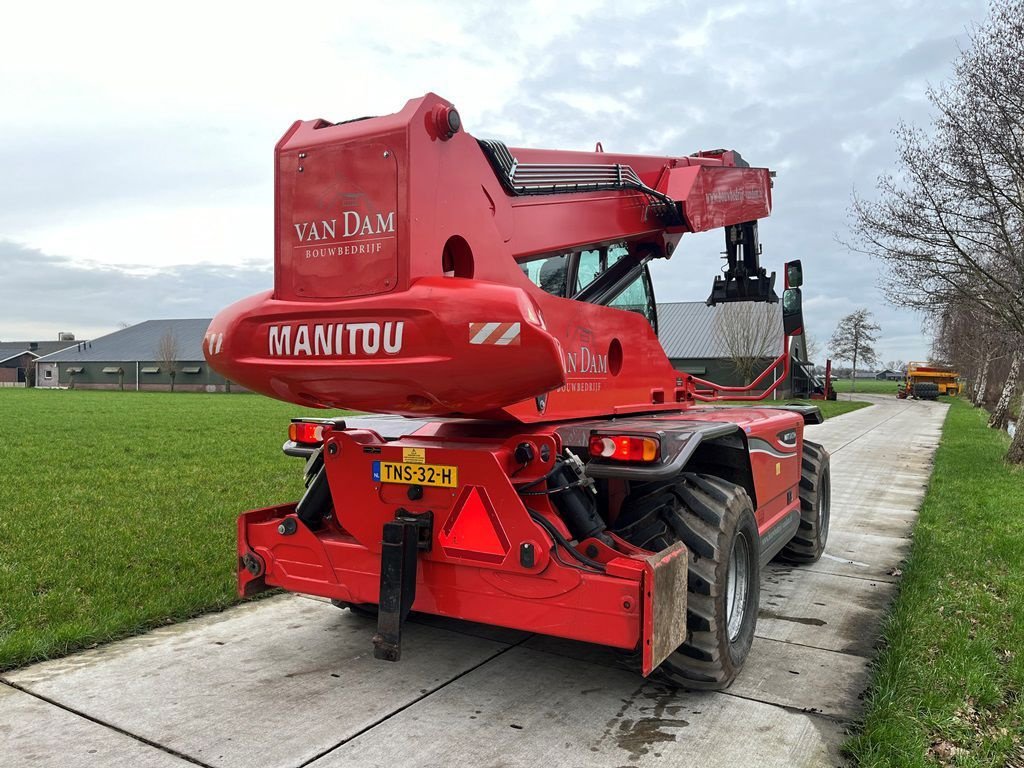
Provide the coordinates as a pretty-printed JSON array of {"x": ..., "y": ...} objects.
[
  {"x": 889, "y": 375},
  {"x": 138, "y": 357},
  {"x": 18, "y": 359},
  {"x": 705, "y": 341}
]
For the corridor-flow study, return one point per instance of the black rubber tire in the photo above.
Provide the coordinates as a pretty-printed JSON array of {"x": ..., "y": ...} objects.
[
  {"x": 709, "y": 515},
  {"x": 926, "y": 390},
  {"x": 809, "y": 542},
  {"x": 366, "y": 610}
]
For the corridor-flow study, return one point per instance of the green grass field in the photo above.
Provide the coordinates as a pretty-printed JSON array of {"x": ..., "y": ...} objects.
[
  {"x": 118, "y": 508},
  {"x": 867, "y": 386},
  {"x": 949, "y": 683}
]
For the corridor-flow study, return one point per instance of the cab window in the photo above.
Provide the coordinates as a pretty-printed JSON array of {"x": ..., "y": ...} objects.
[
  {"x": 638, "y": 298},
  {"x": 554, "y": 273},
  {"x": 549, "y": 273},
  {"x": 593, "y": 263},
  {"x": 566, "y": 274}
]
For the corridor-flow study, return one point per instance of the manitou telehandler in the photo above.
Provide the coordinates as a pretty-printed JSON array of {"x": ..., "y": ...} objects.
[{"x": 543, "y": 467}]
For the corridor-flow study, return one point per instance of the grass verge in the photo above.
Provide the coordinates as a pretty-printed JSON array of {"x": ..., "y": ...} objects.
[
  {"x": 865, "y": 386},
  {"x": 948, "y": 683},
  {"x": 118, "y": 509},
  {"x": 829, "y": 408}
]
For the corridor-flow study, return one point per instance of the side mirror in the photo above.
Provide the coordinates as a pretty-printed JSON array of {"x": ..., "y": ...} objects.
[
  {"x": 792, "y": 311},
  {"x": 794, "y": 274}
]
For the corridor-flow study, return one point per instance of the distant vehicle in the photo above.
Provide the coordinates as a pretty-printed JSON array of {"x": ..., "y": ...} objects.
[{"x": 924, "y": 381}]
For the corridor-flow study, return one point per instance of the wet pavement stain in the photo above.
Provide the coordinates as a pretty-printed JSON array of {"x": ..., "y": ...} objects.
[
  {"x": 638, "y": 738},
  {"x": 797, "y": 619},
  {"x": 639, "y": 735}
]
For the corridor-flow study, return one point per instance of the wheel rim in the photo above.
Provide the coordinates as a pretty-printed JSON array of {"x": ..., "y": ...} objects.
[
  {"x": 737, "y": 585},
  {"x": 824, "y": 512}
]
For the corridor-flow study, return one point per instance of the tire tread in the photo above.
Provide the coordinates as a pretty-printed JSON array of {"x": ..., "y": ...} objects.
[{"x": 692, "y": 510}]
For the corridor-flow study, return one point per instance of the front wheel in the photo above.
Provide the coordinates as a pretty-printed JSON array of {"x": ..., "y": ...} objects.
[
  {"x": 715, "y": 520},
  {"x": 811, "y": 537}
]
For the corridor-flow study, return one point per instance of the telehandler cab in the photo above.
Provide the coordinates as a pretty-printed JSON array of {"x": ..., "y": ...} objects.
[{"x": 540, "y": 464}]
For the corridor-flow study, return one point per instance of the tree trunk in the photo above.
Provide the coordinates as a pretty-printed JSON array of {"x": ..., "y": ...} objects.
[
  {"x": 998, "y": 418},
  {"x": 853, "y": 371},
  {"x": 1016, "y": 453},
  {"x": 982, "y": 387}
]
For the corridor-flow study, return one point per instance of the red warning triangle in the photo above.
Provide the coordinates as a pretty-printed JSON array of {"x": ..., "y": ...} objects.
[{"x": 472, "y": 528}]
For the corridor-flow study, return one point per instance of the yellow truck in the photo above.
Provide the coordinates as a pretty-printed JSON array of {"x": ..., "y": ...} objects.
[{"x": 926, "y": 382}]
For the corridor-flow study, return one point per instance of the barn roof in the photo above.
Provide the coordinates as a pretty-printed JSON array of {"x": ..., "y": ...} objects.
[
  {"x": 137, "y": 343},
  {"x": 9, "y": 349},
  {"x": 687, "y": 329}
]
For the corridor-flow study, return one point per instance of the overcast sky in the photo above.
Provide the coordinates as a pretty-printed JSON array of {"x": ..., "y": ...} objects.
[{"x": 136, "y": 140}]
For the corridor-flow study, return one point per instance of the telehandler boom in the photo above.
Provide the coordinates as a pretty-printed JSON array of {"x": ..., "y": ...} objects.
[{"x": 540, "y": 464}]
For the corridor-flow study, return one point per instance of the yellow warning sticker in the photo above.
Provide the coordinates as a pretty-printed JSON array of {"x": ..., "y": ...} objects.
[
  {"x": 778, "y": 469},
  {"x": 414, "y": 455}
]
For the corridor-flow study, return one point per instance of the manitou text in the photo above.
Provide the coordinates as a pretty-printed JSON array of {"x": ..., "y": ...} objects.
[{"x": 335, "y": 339}]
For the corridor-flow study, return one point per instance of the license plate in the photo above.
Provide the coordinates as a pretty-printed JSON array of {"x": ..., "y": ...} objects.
[{"x": 415, "y": 474}]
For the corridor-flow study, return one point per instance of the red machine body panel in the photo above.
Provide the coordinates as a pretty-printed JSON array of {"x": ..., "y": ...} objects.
[{"x": 395, "y": 246}]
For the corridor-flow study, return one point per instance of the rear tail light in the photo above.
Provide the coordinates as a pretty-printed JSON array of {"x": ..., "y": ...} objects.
[
  {"x": 305, "y": 432},
  {"x": 625, "y": 448}
]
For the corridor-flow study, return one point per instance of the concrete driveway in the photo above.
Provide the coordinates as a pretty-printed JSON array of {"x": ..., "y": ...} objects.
[{"x": 291, "y": 681}]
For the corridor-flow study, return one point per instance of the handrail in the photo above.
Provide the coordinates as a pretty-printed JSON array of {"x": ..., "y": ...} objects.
[{"x": 706, "y": 397}]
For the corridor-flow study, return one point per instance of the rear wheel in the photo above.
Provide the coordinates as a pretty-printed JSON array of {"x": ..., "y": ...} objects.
[
  {"x": 808, "y": 544},
  {"x": 715, "y": 520}
]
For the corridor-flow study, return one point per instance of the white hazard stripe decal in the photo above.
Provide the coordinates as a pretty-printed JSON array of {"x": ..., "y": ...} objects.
[
  {"x": 500, "y": 334},
  {"x": 214, "y": 341}
]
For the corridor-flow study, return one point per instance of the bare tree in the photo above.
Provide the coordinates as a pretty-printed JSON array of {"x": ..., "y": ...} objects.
[
  {"x": 813, "y": 347},
  {"x": 965, "y": 339},
  {"x": 854, "y": 340},
  {"x": 949, "y": 227},
  {"x": 751, "y": 333},
  {"x": 167, "y": 353}
]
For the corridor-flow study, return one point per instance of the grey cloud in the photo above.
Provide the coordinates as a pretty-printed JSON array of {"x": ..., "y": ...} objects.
[
  {"x": 57, "y": 169},
  {"x": 42, "y": 294}
]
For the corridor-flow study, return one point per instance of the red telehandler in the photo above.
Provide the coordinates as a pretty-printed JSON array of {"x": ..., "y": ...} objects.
[{"x": 541, "y": 465}]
